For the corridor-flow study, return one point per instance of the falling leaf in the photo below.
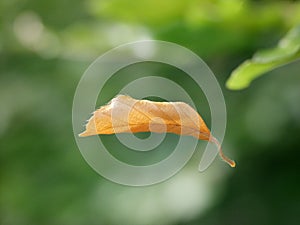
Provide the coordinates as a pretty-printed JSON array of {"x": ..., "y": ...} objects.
[{"x": 124, "y": 114}]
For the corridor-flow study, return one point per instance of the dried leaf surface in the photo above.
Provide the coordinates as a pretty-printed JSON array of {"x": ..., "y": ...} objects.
[{"x": 124, "y": 114}]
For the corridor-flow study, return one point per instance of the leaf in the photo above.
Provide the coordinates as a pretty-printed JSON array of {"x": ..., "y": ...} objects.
[
  {"x": 287, "y": 50},
  {"x": 124, "y": 114}
]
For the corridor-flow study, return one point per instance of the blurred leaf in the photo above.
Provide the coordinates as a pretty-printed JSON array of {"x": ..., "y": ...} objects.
[{"x": 287, "y": 50}]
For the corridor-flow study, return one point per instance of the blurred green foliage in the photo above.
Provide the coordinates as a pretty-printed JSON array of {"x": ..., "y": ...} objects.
[
  {"x": 45, "y": 47},
  {"x": 287, "y": 50}
]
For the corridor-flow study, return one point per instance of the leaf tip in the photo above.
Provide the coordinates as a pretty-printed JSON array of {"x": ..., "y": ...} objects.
[
  {"x": 232, "y": 85},
  {"x": 83, "y": 134}
]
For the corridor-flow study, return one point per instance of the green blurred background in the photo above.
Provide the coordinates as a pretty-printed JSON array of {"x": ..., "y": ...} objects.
[{"x": 45, "y": 47}]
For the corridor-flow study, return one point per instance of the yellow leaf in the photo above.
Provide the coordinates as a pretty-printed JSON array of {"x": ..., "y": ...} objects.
[{"x": 124, "y": 114}]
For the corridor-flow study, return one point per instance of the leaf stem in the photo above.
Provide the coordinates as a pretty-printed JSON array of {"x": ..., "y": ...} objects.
[{"x": 229, "y": 161}]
